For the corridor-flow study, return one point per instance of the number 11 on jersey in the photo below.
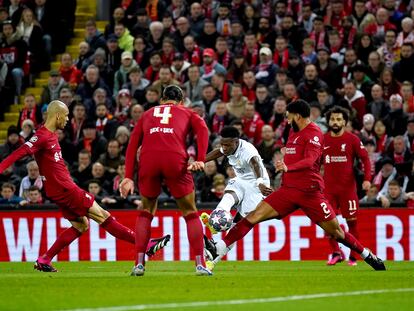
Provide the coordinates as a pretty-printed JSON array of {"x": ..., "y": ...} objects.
[{"x": 163, "y": 113}]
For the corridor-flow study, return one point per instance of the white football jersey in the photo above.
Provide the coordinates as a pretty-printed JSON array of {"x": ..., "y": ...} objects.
[{"x": 240, "y": 161}]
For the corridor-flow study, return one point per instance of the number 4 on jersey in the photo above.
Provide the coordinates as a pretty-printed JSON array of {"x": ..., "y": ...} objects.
[{"x": 163, "y": 113}]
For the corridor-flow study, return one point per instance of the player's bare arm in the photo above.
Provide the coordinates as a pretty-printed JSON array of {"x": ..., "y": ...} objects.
[
  {"x": 213, "y": 155},
  {"x": 254, "y": 163}
]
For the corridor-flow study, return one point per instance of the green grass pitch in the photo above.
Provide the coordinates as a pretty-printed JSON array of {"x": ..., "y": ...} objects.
[{"x": 168, "y": 285}]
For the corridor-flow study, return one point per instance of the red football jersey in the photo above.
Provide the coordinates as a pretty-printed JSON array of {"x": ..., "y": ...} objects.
[
  {"x": 303, "y": 159},
  {"x": 164, "y": 129},
  {"x": 339, "y": 155},
  {"x": 44, "y": 145}
]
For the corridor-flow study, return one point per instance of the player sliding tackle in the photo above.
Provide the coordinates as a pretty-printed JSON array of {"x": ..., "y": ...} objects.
[
  {"x": 76, "y": 204},
  {"x": 249, "y": 186},
  {"x": 302, "y": 187}
]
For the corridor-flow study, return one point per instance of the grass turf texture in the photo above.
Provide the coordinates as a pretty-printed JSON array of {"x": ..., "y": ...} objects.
[{"x": 106, "y": 284}]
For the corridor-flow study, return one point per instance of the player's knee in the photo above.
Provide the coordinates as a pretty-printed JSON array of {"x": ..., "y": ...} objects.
[{"x": 337, "y": 233}]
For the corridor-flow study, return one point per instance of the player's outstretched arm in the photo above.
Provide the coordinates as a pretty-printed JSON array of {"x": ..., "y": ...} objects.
[
  {"x": 20, "y": 153},
  {"x": 257, "y": 169},
  {"x": 132, "y": 149},
  {"x": 201, "y": 131},
  {"x": 212, "y": 155}
]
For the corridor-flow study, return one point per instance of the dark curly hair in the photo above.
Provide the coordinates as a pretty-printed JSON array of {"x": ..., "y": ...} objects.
[{"x": 173, "y": 92}]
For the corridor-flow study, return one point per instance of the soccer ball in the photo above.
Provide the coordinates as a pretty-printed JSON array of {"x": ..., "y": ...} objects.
[{"x": 220, "y": 220}]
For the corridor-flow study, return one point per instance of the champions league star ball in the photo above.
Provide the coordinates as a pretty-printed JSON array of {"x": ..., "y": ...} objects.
[{"x": 220, "y": 220}]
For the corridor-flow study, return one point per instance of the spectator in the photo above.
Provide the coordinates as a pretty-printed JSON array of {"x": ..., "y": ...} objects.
[
  {"x": 183, "y": 30},
  {"x": 371, "y": 196},
  {"x": 251, "y": 50},
  {"x": 361, "y": 17},
  {"x": 13, "y": 142},
  {"x": 289, "y": 92},
  {"x": 179, "y": 68},
  {"x": 166, "y": 78},
  {"x": 112, "y": 157},
  {"x": 32, "y": 178},
  {"x": 208, "y": 37},
  {"x": 319, "y": 34},
  {"x": 388, "y": 83},
  {"x": 364, "y": 47},
  {"x": 252, "y": 124},
  {"x": 34, "y": 197},
  {"x": 223, "y": 20},
  {"x": 156, "y": 35},
  {"x": 205, "y": 180},
  {"x": 69, "y": 72},
  {"x": 296, "y": 68},
  {"x": 387, "y": 174},
  {"x": 98, "y": 59},
  {"x": 390, "y": 51},
  {"x": 123, "y": 133},
  {"x": 118, "y": 15},
  {"x": 77, "y": 122},
  {"x": 224, "y": 55},
  {"x": 378, "y": 106},
  {"x": 324, "y": 99},
  {"x": 382, "y": 139},
  {"x": 268, "y": 145},
  {"x": 30, "y": 111},
  {"x": 15, "y": 10},
  {"x": 93, "y": 36},
  {"x": 141, "y": 53},
  {"x": 362, "y": 81},
  {"x": 113, "y": 53},
  {"x": 84, "y": 53},
  {"x": 31, "y": 32},
  {"x": 356, "y": 100},
  {"x": 194, "y": 86},
  {"x": 98, "y": 173},
  {"x": 278, "y": 120},
  {"x": 141, "y": 27},
  {"x": 82, "y": 169},
  {"x": 407, "y": 34},
  {"x": 125, "y": 40},
  {"x": 382, "y": 24},
  {"x": 266, "y": 70},
  {"x": 374, "y": 157},
  {"x": 100, "y": 194},
  {"x": 293, "y": 33},
  {"x": 236, "y": 39},
  {"x": 215, "y": 193},
  {"x": 91, "y": 82},
  {"x": 237, "y": 104},
  {"x": 192, "y": 52},
  {"x": 264, "y": 103},
  {"x": 105, "y": 124},
  {"x": 307, "y": 17},
  {"x": 152, "y": 98},
  {"x": 121, "y": 76},
  {"x": 28, "y": 130},
  {"x": 153, "y": 70},
  {"x": 211, "y": 66},
  {"x": 367, "y": 131},
  {"x": 66, "y": 146},
  {"x": 51, "y": 90},
  {"x": 120, "y": 171},
  {"x": 394, "y": 195},
  {"x": 123, "y": 102},
  {"x": 375, "y": 66},
  {"x": 209, "y": 98},
  {"x": 317, "y": 118},
  {"x": 310, "y": 84},
  {"x": 249, "y": 85},
  {"x": 309, "y": 55},
  {"x": 401, "y": 155},
  {"x": 8, "y": 196},
  {"x": 408, "y": 97},
  {"x": 219, "y": 119},
  {"x": 92, "y": 141},
  {"x": 137, "y": 84},
  {"x": 13, "y": 50},
  {"x": 396, "y": 119},
  {"x": 406, "y": 61},
  {"x": 325, "y": 66},
  {"x": 237, "y": 69}
]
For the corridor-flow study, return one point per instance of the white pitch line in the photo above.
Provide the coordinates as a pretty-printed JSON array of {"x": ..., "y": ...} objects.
[{"x": 196, "y": 304}]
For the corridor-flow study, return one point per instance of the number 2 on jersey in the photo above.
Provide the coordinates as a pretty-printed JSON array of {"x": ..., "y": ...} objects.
[{"x": 163, "y": 113}]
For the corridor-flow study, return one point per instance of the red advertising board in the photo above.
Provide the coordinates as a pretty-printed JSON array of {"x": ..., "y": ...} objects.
[{"x": 26, "y": 234}]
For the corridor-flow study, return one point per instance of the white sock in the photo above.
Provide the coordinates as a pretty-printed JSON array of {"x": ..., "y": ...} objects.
[
  {"x": 365, "y": 253},
  {"x": 227, "y": 202},
  {"x": 218, "y": 258},
  {"x": 221, "y": 248}
]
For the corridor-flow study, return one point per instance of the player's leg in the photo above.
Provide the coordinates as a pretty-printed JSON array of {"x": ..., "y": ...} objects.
[
  {"x": 332, "y": 228},
  {"x": 349, "y": 210},
  {"x": 337, "y": 255},
  {"x": 79, "y": 226},
  {"x": 143, "y": 233},
  {"x": 194, "y": 231}
]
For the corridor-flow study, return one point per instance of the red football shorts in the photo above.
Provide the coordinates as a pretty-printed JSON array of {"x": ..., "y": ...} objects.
[
  {"x": 347, "y": 203},
  {"x": 75, "y": 203},
  {"x": 286, "y": 200},
  {"x": 168, "y": 167}
]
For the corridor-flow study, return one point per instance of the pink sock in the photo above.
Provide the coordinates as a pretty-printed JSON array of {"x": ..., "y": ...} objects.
[
  {"x": 195, "y": 237},
  {"x": 142, "y": 235},
  {"x": 118, "y": 230},
  {"x": 351, "y": 242},
  {"x": 353, "y": 229},
  {"x": 63, "y": 240},
  {"x": 238, "y": 231},
  {"x": 334, "y": 245}
]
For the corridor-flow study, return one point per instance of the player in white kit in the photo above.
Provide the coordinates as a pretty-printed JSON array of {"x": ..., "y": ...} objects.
[{"x": 251, "y": 183}]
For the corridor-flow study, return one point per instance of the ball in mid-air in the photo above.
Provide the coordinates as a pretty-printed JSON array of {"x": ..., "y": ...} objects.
[{"x": 220, "y": 220}]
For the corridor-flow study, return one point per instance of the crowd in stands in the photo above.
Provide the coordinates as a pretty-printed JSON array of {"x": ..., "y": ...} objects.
[{"x": 239, "y": 63}]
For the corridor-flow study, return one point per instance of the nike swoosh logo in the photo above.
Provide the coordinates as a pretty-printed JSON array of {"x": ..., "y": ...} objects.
[
  {"x": 53, "y": 146},
  {"x": 326, "y": 216},
  {"x": 352, "y": 213},
  {"x": 324, "y": 148}
]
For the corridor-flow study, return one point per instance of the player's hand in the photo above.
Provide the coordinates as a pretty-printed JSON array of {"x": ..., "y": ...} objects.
[
  {"x": 366, "y": 185},
  {"x": 265, "y": 190},
  {"x": 196, "y": 166},
  {"x": 126, "y": 187},
  {"x": 281, "y": 166}
]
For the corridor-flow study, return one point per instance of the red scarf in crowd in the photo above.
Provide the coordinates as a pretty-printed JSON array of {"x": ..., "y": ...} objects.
[
  {"x": 225, "y": 92},
  {"x": 284, "y": 62},
  {"x": 76, "y": 129},
  {"x": 398, "y": 158},
  {"x": 218, "y": 124},
  {"x": 193, "y": 58},
  {"x": 252, "y": 127},
  {"x": 139, "y": 56},
  {"x": 28, "y": 114},
  {"x": 208, "y": 69},
  {"x": 351, "y": 37},
  {"x": 251, "y": 58},
  {"x": 381, "y": 143},
  {"x": 208, "y": 11},
  {"x": 318, "y": 38},
  {"x": 151, "y": 74},
  {"x": 167, "y": 59},
  {"x": 249, "y": 93},
  {"x": 224, "y": 59}
]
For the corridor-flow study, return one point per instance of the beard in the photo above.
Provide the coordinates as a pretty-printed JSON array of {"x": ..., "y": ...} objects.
[
  {"x": 336, "y": 130},
  {"x": 295, "y": 127}
]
